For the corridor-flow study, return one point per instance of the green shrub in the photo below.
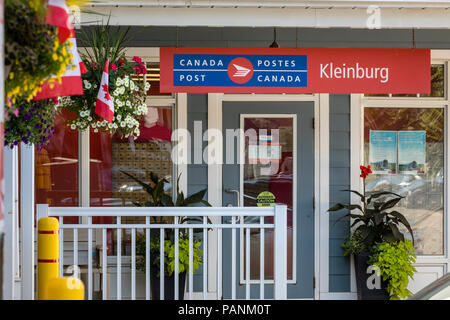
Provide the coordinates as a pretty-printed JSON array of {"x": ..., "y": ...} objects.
[
  {"x": 169, "y": 254},
  {"x": 395, "y": 262},
  {"x": 354, "y": 244}
]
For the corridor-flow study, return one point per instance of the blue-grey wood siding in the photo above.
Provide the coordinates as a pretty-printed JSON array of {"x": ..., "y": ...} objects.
[
  {"x": 171, "y": 36},
  {"x": 197, "y": 111},
  {"x": 339, "y": 266}
]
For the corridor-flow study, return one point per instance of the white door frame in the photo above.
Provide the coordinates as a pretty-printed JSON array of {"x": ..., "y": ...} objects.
[
  {"x": 241, "y": 146},
  {"x": 321, "y": 159}
]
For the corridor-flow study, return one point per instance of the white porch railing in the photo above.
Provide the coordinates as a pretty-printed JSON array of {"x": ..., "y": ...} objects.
[{"x": 97, "y": 240}]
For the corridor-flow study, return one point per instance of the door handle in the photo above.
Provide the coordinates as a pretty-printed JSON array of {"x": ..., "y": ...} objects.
[
  {"x": 238, "y": 195},
  {"x": 229, "y": 190}
]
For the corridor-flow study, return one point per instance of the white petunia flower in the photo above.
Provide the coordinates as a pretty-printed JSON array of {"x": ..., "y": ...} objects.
[
  {"x": 87, "y": 84},
  {"x": 73, "y": 126}
]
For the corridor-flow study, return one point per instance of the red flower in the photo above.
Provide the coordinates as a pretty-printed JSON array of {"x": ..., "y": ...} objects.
[
  {"x": 113, "y": 66},
  {"x": 121, "y": 61},
  {"x": 94, "y": 66},
  {"x": 137, "y": 59},
  {"x": 140, "y": 69},
  {"x": 365, "y": 171}
]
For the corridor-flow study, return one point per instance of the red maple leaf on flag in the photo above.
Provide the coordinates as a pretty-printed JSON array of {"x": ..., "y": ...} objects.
[{"x": 105, "y": 88}]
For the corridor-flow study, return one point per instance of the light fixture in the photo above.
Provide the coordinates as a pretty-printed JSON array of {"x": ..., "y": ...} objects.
[{"x": 274, "y": 43}]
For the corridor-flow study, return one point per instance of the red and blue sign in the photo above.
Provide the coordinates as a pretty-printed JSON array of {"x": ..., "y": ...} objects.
[
  {"x": 206, "y": 70},
  {"x": 275, "y": 70}
]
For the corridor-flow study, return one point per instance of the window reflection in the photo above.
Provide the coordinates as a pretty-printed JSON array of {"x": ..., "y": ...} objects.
[
  {"x": 149, "y": 153},
  {"x": 268, "y": 174},
  {"x": 423, "y": 205},
  {"x": 56, "y": 168}
]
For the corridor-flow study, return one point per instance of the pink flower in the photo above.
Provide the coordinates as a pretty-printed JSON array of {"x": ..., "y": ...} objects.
[
  {"x": 113, "y": 66},
  {"x": 137, "y": 59}
]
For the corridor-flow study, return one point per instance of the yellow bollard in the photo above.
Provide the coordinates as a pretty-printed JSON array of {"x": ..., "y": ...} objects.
[
  {"x": 48, "y": 253},
  {"x": 66, "y": 288}
]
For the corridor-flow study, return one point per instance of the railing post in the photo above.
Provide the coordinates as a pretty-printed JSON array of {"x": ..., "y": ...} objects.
[
  {"x": 280, "y": 253},
  {"x": 41, "y": 211},
  {"x": 27, "y": 230},
  {"x": 11, "y": 248}
]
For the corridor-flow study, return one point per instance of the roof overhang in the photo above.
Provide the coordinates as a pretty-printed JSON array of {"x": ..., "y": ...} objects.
[{"x": 286, "y": 13}]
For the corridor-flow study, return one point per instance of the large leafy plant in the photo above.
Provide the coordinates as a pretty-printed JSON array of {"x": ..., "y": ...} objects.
[
  {"x": 377, "y": 233},
  {"x": 375, "y": 220},
  {"x": 159, "y": 198}
]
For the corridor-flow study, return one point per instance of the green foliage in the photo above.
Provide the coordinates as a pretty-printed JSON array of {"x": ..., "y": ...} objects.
[
  {"x": 354, "y": 244},
  {"x": 169, "y": 254},
  {"x": 32, "y": 50},
  {"x": 128, "y": 93},
  {"x": 158, "y": 198},
  {"x": 395, "y": 261},
  {"x": 32, "y": 123},
  {"x": 375, "y": 219},
  {"x": 155, "y": 189}
]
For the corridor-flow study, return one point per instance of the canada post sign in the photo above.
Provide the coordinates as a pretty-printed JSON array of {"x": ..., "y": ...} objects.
[
  {"x": 269, "y": 70},
  {"x": 239, "y": 70}
]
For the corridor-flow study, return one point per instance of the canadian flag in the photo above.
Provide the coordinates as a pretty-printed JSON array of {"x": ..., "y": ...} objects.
[
  {"x": 104, "y": 106},
  {"x": 71, "y": 80},
  {"x": 58, "y": 15}
]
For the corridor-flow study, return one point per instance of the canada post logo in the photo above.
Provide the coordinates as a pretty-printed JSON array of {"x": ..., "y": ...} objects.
[
  {"x": 240, "y": 70},
  {"x": 215, "y": 70}
]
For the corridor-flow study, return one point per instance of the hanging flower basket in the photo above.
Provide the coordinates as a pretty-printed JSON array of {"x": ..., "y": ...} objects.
[
  {"x": 31, "y": 123},
  {"x": 32, "y": 50},
  {"x": 127, "y": 94},
  {"x": 127, "y": 87}
]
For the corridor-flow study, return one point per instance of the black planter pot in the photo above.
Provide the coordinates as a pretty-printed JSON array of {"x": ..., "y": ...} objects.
[
  {"x": 169, "y": 285},
  {"x": 363, "y": 290}
]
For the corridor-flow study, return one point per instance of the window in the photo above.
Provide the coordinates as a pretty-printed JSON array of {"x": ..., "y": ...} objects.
[
  {"x": 56, "y": 168},
  {"x": 111, "y": 155},
  {"x": 405, "y": 148}
]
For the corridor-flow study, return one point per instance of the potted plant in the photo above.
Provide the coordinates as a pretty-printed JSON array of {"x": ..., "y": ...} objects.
[
  {"x": 158, "y": 198},
  {"x": 378, "y": 242}
]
